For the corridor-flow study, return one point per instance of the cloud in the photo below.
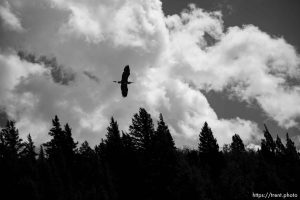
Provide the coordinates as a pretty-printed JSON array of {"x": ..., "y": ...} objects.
[
  {"x": 125, "y": 23},
  {"x": 186, "y": 109},
  {"x": 249, "y": 63},
  {"x": 91, "y": 76},
  {"x": 10, "y": 20},
  {"x": 13, "y": 70},
  {"x": 171, "y": 62},
  {"x": 59, "y": 73}
]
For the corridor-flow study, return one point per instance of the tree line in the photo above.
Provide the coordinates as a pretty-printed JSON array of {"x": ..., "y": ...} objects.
[{"x": 143, "y": 164}]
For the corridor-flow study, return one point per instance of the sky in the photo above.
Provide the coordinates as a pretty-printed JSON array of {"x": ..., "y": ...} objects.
[{"x": 234, "y": 64}]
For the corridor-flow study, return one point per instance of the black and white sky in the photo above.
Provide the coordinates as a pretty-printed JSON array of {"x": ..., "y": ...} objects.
[{"x": 232, "y": 63}]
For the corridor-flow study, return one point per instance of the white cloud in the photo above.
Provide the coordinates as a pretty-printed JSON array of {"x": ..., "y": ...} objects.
[
  {"x": 253, "y": 65},
  {"x": 186, "y": 109},
  {"x": 125, "y": 23},
  {"x": 13, "y": 70},
  {"x": 166, "y": 54},
  {"x": 10, "y": 20}
]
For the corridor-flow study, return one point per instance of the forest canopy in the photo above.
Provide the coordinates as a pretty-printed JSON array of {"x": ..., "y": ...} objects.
[{"x": 143, "y": 163}]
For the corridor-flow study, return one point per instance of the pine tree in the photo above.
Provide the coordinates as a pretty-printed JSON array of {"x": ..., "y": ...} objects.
[
  {"x": 162, "y": 167},
  {"x": 11, "y": 143},
  {"x": 291, "y": 152},
  {"x": 49, "y": 180},
  {"x": 69, "y": 146},
  {"x": 62, "y": 145},
  {"x": 100, "y": 149},
  {"x": 268, "y": 145},
  {"x": 41, "y": 156},
  {"x": 113, "y": 142},
  {"x": 85, "y": 150},
  {"x": 142, "y": 130},
  {"x": 54, "y": 146},
  {"x": 280, "y": 148},
  {"x": 127, "y": 144},
  {"x": 29, "y": 150},
  {"x": 163, "y": 139},
  {"x": 237, "y": 145},
  {"x": 10, "y": 153},
  {"x": 208, "y": 144}
]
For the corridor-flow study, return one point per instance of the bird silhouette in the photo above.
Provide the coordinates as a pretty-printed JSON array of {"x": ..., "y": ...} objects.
[{"x": 124, "y": 82}]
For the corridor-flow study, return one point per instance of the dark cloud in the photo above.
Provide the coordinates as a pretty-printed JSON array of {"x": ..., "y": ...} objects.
[
  {"x": 91, "y": 76},
  {"x": 210, "y": 40},
  {"x": 59, "y": 73}
]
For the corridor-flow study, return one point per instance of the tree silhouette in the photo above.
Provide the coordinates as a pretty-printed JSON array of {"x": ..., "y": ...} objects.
[
  {"x": 54, "y": 146},
  {"x": 29, "y": 150},
  {"x": 113, "y": 142},
  {"x": 291, "y": 151},
  {"x": 41, "y": 156},
  {"x": 11, "y": 144},
  {"x": 280, "y": 148},
  {"x": 85, "y": 150},
  {"x": 208, "y": 144},
  {"x": 143, "y": 164},
  {"x": 69, "y": 146},
  {"x": 62, "y": 146},
  {"x": 162, "y": 137},
  {"x": 210, "y": 157},
  {"x": 142, "y": 130},
  {"x": 237, "y": 146},
  {"x": 267, "y": 144},
  {"x": 127, "y": 143},
  {"x": 11, "y": 149},
  {"x": 163, "y": 164}
]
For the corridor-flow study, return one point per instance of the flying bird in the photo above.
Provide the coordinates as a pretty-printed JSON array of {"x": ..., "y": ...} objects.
[{"x": 124, "y": 82}]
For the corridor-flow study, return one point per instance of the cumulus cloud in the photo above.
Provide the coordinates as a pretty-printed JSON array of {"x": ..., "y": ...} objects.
[
  {"x": 250, "y": 63},
  {"x": 171, "y": 61},
  {"x": 9, "y": 19},
  {"x": 32, "y": 97},
  {"x": 124, "y": 23},
  {"x": 187, "y": 109},
  {"x": 13, "y": 70}
]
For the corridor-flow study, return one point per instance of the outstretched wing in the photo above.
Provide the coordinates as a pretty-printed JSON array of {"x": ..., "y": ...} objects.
[
  {"x": 124, "y": 89},
  {"x": 125, "y": 74}
]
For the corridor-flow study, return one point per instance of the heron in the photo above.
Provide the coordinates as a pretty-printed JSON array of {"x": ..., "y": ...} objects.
[{"x": 124, "y": 82}]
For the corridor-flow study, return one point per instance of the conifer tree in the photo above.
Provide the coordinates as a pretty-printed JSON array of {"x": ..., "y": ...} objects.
[
  {"x": 237, "y": 145},
  {"x": 100, "y": 149},
  {"x": 142, "y": 130},
  {"x": 11, "y": 144},
  {"x": 29, "y": 150},
  {"x": 41, "y": 156},
  {"x": 208, "y": 144},
  {"x": 267, "y": 144},
  {"x": 144, "y": 164},
  {"x": 62, "y": 144},
  {"x": 85, "y": 150},
  {"x": 280, "y": 148},
  {"x": 291, "y": 152},
  {"x": 54, "y": 146},
  {"x": 163, "y": 138},
  {"x": 162, "y": 167},
  {"x": 69, "y": 146},
  {"x": 127, "y": 143},
  {"x": 113, "y": 139}
]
